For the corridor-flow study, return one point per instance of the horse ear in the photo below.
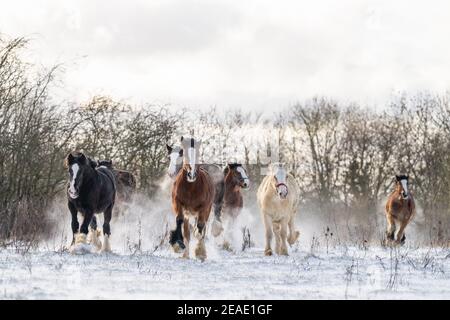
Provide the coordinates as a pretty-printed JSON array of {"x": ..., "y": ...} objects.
[
  {"x": 82, "y": 158},
  {"x": 397, "y": 177},
  {"x": 226, "y": 169},
  {"x": 68, "y": 161},
  {"x": 182, "y": 138},
  {"x": 169, "y": 148},
  {"x": 181, "y": 152},
  {"x": 93, "y": 163},
  {"x": 70, "y": 158}
]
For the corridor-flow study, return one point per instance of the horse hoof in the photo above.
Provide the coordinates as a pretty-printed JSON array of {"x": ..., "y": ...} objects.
[
  {"x": 93, "y": 239},
  {"x": 284, "y": 252},
  {"x": 80, "y": 248},
  {"x": 80, "y": 238},
  {"x": 216, "y": 228},
  {"x": 200, "y": 256},
  {"x": 200, "y": 252},
  {"x": 106, "y": 246},
  {"x": 227, "y": 246},
  {"x": 294, "y": 237},
  {"x": 268, "y": 252},
  {"x": 178, "y": 246}
]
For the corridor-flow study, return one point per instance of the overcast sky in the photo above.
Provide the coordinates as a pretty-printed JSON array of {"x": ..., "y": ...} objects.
[{"x": 250, "y": 54}]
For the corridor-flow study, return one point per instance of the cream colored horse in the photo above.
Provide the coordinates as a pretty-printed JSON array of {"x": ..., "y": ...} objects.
[{"x": 278, "y": 199}]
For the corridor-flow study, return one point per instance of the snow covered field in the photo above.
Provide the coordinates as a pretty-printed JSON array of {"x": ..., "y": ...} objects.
[
  {"x": 144, "y": 267},
  {"x": 342, "y": 273}
]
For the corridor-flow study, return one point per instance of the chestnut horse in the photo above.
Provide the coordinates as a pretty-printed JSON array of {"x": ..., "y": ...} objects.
[
  {"x": 192, "y": 196},
  {"x": 175, "y": 155},
  {"x": 400, "y": 209}
]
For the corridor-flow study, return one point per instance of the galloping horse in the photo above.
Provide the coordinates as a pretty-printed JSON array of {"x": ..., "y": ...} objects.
[
  {"x": 400, "y": 208},
  {"x": 278, "y": 199},
  {"x": 175, "y": 154},
  {"x": 235, "y": 179},
  {"x": 192, "y": 196},
  {"x": 90, "y": 190}
]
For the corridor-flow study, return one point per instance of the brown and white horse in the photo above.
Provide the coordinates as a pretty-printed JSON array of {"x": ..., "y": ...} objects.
[
  {"x": 278, "y": 199},
  {"x": 192, "y": 196},
  {"x": 400, "y": 209},
  {"x": 235, "y": 179},
  {"x": 175, "y": 155}
]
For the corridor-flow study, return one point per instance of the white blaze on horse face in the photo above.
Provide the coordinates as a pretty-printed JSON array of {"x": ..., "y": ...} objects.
[
  {"x": 280, "y": 176},
  {"x": 192, "y": 161},
  {"x": 244, "y": 176},
  {"x": 404, "y": 183},
  {"x": 72, "y": 191}
]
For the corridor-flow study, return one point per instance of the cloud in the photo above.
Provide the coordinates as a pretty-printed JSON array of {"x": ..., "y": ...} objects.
[{"x": 252, "y": 54}]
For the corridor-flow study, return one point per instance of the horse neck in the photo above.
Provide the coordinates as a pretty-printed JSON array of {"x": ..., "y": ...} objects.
[
  {"x": 230, "y": 183},
  {"x": 90, "y": 175},
  {"x": 398, "y": 189}
]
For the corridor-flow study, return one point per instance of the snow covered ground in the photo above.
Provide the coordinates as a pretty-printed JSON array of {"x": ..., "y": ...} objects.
[
  {"x": 342, "y": 273},
  {"x": 144, "y": 267}
]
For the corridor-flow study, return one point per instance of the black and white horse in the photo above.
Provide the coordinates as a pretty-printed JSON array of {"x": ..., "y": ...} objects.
[{"x": 90, "y": 190}]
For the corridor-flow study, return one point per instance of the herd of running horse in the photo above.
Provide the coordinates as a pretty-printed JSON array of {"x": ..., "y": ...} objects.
[{"x": 198, "y": 189}]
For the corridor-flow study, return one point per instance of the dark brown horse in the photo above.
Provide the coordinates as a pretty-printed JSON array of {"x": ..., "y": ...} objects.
[
  {"x": 400, "y": 209},
  {"x": 235, "y": 179},
  {"x": 192, "y": 196}
]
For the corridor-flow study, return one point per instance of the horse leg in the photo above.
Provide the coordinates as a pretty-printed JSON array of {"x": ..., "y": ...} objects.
[
  {"x": 217, "y": 227},
  {"x": 200, "y": 232},
  {"x": 283, "y": 237},
  {"x": 269, "y": 234},
  {"x": 277, "y": 232},
  {"x": 293, "y": 234},
  {"x": 401, "y": 238},
  {"x": 390, "y": 227},
  {"x": 75, "y": 225},
  {"x": 84, "y": 229},
  {"x": 106, "y": 246},
  {"x": 228, "y": 236},
  {"x": 176, "y": 236},
  {"x": 94, "y": 233},
  {"x": 187, "y": 237}
]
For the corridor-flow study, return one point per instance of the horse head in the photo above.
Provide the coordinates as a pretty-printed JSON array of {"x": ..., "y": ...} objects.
[
  {"x": 280, "y": 179},
  {"x": 402, "y": 185},
  {"x": 190, "y": 160},
  {"x": 77, "y": 164},
  {"x": 105, "y": 163},
  {"x": 236, "y": 174},
  {"x": 175, "y": 159}
]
